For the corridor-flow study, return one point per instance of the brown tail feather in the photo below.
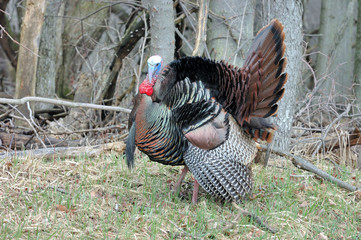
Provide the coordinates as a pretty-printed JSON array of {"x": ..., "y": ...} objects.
[
  {"x": 264, "y": 70},
  {"x": 260, "y": 129}
]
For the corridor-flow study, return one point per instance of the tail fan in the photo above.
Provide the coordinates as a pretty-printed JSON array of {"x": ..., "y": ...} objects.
[{"x": 264, "y": 70}]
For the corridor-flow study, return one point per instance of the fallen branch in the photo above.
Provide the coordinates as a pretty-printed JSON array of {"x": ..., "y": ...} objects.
[
  {"x": 67, "y": 152},
  {"x": 306, "y": 165},
  {"x": 63, "y": 103},
  {"x": 255, "y": 218}
]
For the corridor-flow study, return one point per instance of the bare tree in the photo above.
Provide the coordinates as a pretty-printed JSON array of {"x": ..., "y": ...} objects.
[
  {"x": 357, "y": 68},
  {"x": 162, "y": 28},
  {"x": 336, "y": 55},
  {"x": 28, "y": 53},
  {"x": 230, "y": 32},
  {"x": 290, "y": 14},
  {"x": 50, "y": 43}
]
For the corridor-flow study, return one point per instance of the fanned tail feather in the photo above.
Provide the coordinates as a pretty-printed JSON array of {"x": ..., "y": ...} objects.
[{"x": 264, "y": 69}]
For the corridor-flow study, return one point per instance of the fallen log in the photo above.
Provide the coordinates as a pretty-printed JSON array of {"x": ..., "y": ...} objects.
[
  {"x": 66, "y": 152},
  {"x": 306, "y": 165},
  {"x": 23, "y": 141}
]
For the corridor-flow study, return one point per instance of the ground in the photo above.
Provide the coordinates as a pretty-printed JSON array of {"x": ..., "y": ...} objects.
[{"x": 93, "y": 198}]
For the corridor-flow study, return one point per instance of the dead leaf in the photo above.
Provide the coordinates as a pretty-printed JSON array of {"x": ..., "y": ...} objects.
[
  {"x": 306, "y": 187},
  {"x": 258, "y": 233},
  {"x": 97, "y": 194},
  {"x": 8, "y": 165},
  {"x": 61, "y": 208},
  {"x": 304, "y": 204},
  {"x": 358, "y": 195},
  {"x": 322, "y": 236},
  {"x": 64, "y": 209},
  {"x": 332, "y": 203}
]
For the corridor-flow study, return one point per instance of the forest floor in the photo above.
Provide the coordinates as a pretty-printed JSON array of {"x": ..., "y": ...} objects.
[{"x": 93, "y": 198}]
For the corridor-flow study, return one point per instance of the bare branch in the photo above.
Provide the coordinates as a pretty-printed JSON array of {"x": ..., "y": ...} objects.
[
  {"x": 184, "y": 39},
  {"x": 201, "y": 28},
  {"x": 255, "y": 218},
  {"x": 329, "y": 127},
  {"x": 2, "y": 29},
  {"x": 30, "y": 124},
  {"x": 306, "y": 165}
]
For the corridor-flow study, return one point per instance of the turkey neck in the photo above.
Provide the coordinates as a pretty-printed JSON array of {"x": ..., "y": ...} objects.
[{"x": 157, "y": 134}]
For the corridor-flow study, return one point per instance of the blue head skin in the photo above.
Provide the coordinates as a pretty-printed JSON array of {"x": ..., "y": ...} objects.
[{"x": 154, "y": 66}]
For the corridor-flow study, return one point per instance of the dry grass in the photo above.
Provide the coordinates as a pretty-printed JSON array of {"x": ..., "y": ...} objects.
[{"x": 99, "y": 198}]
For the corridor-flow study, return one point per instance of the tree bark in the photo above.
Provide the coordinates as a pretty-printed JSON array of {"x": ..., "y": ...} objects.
[
  {"x": 162, "y": 29},
  {"x": 290, "y": 15},
  {"x": 80, "y": 34},
  {"x": 50, "y": 42},
  {"x": 230, "y": 36},
  {"x": 5, "y": 42},
  {"x": 357, "y": 68},
  {"x": 336, "y": 57},
  {"x": 28, "y": 58}
]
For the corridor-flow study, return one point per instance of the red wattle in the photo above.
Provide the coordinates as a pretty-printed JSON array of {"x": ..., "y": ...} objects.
[{"x": 146, "y": 88}]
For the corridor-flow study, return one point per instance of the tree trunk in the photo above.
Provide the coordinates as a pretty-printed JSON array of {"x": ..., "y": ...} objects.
[
  {"x": 80, "y": 36},
  {"x": 28, "y": 53},
  {"x": 50, "y": 43},
  {"x": 162, "y": 29},
  {"x": 357, "y": 67},
  {"x": 335, "y": 59},
  {"x": 5, "y": 42},
  {"x": 230, "y": 39},
  {"x": 290, "y": 15}
]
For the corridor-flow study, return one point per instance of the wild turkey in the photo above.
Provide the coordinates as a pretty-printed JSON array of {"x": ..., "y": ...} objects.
[{"x": 208, "y": 115}]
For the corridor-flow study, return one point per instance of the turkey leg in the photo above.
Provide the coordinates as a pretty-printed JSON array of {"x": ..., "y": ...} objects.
[
  {"x": 180, "y": 180},
  {"x": 195, "y": 192},
  {"x": 195, "y": 186}
]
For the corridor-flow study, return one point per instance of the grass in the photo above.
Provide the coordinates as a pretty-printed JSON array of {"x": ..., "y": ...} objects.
[{"x": 100, "y": 199}]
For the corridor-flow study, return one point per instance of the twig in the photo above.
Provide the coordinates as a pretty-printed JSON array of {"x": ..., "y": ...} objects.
[
  {"x": 306, "y": 165},
  {"x": 201, "y": 28},
  {"x": 102, "y": 129},
  {"x": 184, "y": 39},
  {"x": 12, "y": 39},
  {"x": 329, "y": 127},
  {"x": 4, "y": 115},
  {"x": 187, "y": 233},
  {"x": 255, "y": 218},
  {"x": 30, "y": 124},
  {"x": 142, "y": 53},
  {"x": 240, "y": 33},
  {"x": 188, "y": 15},
  {"x": 58, "y": 189},
  {"x": 64, "y": 103}
]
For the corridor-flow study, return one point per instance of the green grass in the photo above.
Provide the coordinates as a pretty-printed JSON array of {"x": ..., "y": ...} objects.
[{"x": 101, "y": 199}]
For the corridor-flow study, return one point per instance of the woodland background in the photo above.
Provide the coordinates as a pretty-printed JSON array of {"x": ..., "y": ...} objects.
[
  {"x": 82, "y": 61},
  {"x": 96, "y": 52}
]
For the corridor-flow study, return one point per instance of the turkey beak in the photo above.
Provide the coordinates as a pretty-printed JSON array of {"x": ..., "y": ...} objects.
[{"x": 151, "y": 69}]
